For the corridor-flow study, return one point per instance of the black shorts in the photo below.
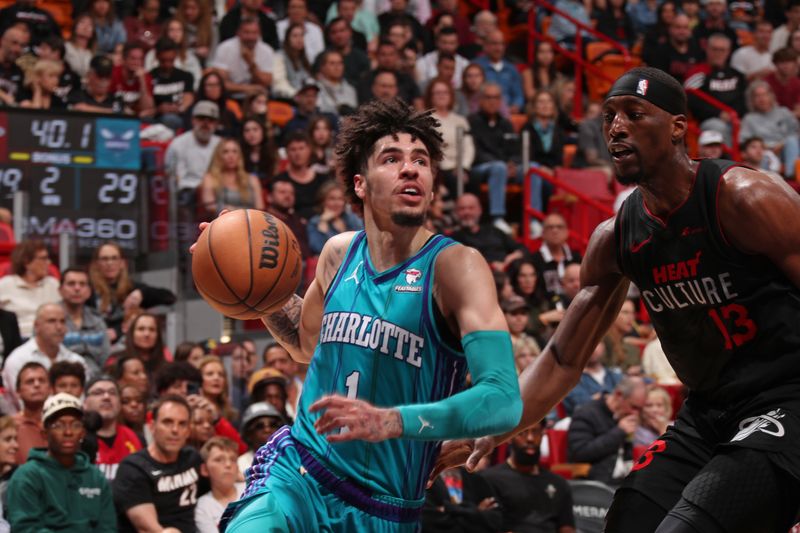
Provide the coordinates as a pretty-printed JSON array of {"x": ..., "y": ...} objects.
[{"x": 770, "y": 423}]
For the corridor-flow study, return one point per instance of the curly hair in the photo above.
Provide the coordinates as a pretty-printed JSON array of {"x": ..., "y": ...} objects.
[{"x": 373, "y": 121}]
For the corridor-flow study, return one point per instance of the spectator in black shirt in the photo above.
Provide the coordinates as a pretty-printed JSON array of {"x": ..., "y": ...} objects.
[
  {"x": 43, "y": 87},
  {"x": 715, "y": 21},
  {"x": 249, "y": 9},
  {"x": 398, "y": 10},
  {"x": 615, "y": 22},
  {"x": 96, "y": 96},
  {"x": 13, "y": 42},
  {"x": 302, "y": 174},
  {"x": 52, "y": 47},
  {"x": 679, "y": 53},
  {"x": 172, "y": 87},
  {"x": 40, "y": 22},
  {"x": 282, "y": 204},
  {"x": 339, "y": 37},
  {"x": 498, "y": 248},
  {"x": 552, "y": 258},
  {"x": 388, "y": 57}
]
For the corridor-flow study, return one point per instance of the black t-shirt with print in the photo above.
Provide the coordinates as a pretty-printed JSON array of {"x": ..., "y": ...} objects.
[{"x": 169, "y": 89}]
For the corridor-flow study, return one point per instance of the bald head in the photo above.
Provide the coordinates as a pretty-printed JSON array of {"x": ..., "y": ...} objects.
[
  {"x": 468, "y": 210},
  {"x": 50, "y": 327},
  {"x": 485, "y": 21},
  {"x": 681, "y": 29},
  {"x": 11, "y": 45}
]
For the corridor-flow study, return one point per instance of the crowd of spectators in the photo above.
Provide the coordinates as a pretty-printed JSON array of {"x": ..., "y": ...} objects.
[{"x": 87, "y": 376}]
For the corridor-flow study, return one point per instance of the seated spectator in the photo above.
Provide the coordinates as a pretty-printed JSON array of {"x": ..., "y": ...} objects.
[
  {"x": 219, "y": 466},
  {"x": 388, "y": 58},
  {"x": 115, "y": 441},
  {"x": 716, "y": 78},
  {"x": 256, "y": 106},
  {"x": 496, "y": 246},
  {"x": 332, "y": 217},
  {"x": 132, "y": 83},
  {"x": 620, "y": 353},
  {"x": 715, "y": 21},
  {"x": 499, "y": 70},
  {"x": 129, "y": 370},
  {"x": 755, "y": 154},
  {"x": 53, "y": 49},
  {"x": 458, "y": 500},
  {"x": 530, "y": 497},
  {"x": 275, "y": 356},
  {"x": 145, "y": 340},
  {"x": 281, "y": 204},
  {"x": 709, "y": 144},
  {"x": 69, "y": 377},
  {"x": 402, "y": 35},
  {"x": 178, "y": 378},
  {"x": 516, "y": 310},
  {"x": 363, "y": 22},
  {"x": 29, "y": 284},
  {"x": 87, "y": 333},
  {"x": 472, "y": 44},
  {"x": 301, "y": 173},
  {"x": 564, "y": 31},
  {"x": 399, "y": 10},
  {"x": 12, "y": 44},
  {"x": 10, "y": 337},
  {"x": 542, "y": 74},
  {"x": 259, "y": 152},
  {"x": 269, "y": 385},
  {"x": 80, "y": 47},
  {"x": 244, "y": 61},
  {"x": 542, "y": 320},
  {"x": 200, "y": 30},
  {"x": 679, "y": 53},
  {"x": 526, "y": 349},
  {"x": 214, "y": 386},
  {"x": 145, "y": 28},
  {"x": 384, "y": 85},
  {"x": 596, "y": 380},
  {"x": 656, "y": 366},
  {"x": 445, "y": 71},
  {"x": 614, "y": 22},
  {"x": 132, "y": 410},
  {"x": 33, "y": 388},
  {"x": 43, "y": 87},
  {"x": 547, "y": 139},
  {"x": 656, "y": 417},
  {"x": 446, "y": 43},
  {"x": 227, "y": 185},
  {"x": 173, "y": 88},
  {"x": 190, "y": 352},
  {"x": 203, "y": 416},
  {"x": 601, "y": 431},
  {"x": 249, "y": 9},
  {"x": 775, "y": 124},
  {"x": 43, "y": 494},
  {"x": 157, "y": 487},
  {"x": 305, "y": 107},
  {"x": 109, "y": 30},
  {"x": 320, "y": 134},
  {"x": 495, "y": 151},
  {"x": 292, "y": 63},
  {"x": 755, "y": 60},
  {"x": 440, "y": 97},
  {"x": 259, "y": 422},
  {"x": 185, "y": 59},
  {"x": 336, "y": 95},
  {"x": 297, "y": 15},
  {"x": 468, "y": 96},
  {"x": 40, "y": 22},
  {"x": 8, "y": 462},
  {"x": 96, "y": 96},
  {"x": 114, "y": 292},
  {"x": 553, "y": 256},
  {"x": 340, "y": 37},
  {"x": 570, "y": 285},
  {"x": 784, "y": 81},
  {"x": 212, "y": 89},
  {"x": 644, "y": 14}
]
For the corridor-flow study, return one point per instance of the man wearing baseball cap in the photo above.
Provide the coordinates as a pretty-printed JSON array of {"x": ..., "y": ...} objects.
[
  {"x": 58, "y": 488},
  {"x": 96, "y": 96},
  {"x": 259, "y": 422}
]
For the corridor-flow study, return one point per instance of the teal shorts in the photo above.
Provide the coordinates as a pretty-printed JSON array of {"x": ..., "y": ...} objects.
[{"x": 289, "y": 491}]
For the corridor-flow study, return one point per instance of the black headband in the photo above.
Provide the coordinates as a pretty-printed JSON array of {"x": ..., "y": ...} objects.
[{"x": 646, "y": 87}]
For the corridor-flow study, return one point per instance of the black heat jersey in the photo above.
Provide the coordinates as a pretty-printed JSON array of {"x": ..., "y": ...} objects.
[{"x": 728, "y": 321}]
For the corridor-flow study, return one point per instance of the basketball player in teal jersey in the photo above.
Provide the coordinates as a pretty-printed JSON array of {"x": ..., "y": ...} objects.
[{"x": 393, "y": 321}]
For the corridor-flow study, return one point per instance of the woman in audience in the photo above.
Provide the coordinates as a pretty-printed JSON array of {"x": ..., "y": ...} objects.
[
  {"x": 80, "y": 47},
  {"x": 132, "y": 411},
  {"x": 621, "y": 353},
  {"x": 129, "y": 369},
  {"x": 467, "y": 97},
  {"x": 258, "y": 147},
  {"x": 186, "y": 60},
  {"x": 656, "y": 417},
  {"x": 332, "y": 219},
  {"x": 145, "y": 340},
  {"x": 658, "y": 34},
  {"x": 542, "y": 74},
  {"x": 212, "y": 88},
  {"x": 196, "y": 16},
  {"x": 526, "y": 349},
  {"x": 227, "y": 185},
  {"x": 114, "y": 292},
  {"x": 146, "y": 27},
  {"x": 43, "y": 80},
  {"x": 440, "y": 96},
  {"x": 215, "y": 386},
  {"x": 8, "y": 463},
  {"x": 291, "y": 67},
  {"x": 614, "y": 21},
  {"x": 541, "y": 320},
  {"x": 203, "y": 420},
  {"x": 108, "y": 29},
  {"x": 256, "y": 105},
  {"x": 29, "y": 284},
  {"x": 320, "y": 133},
  {"x": 546, "y": 141},
  {"x": 191, "y": 352}
]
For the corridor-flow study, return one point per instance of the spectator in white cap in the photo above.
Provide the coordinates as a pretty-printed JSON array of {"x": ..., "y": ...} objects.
[
  {"x": 710, "y": 145},
  {"x": 58, "y": 488}
]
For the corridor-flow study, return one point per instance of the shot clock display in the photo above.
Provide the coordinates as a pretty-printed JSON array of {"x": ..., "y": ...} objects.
[{"x": 81, "y": 172}]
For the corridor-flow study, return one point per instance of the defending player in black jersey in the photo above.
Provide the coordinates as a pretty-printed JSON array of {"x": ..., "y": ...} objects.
[{"x": 715, "y": 250}]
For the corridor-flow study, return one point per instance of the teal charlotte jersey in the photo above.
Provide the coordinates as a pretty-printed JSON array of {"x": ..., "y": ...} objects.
[{"x": 382, "y": 340}]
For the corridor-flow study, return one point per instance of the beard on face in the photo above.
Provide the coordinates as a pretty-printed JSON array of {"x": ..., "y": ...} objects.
[
  {"x": 522, "y": 457},
  {"x": 408, "y": 220}
]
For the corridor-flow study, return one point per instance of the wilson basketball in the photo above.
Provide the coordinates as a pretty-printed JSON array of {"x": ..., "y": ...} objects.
[{"x": 246, "y": 263}]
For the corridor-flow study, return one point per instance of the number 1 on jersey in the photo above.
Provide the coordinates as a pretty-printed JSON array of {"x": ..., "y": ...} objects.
[{"x": 352, "y": 384}]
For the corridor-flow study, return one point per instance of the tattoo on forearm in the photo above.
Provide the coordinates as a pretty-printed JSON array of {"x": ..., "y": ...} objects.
[
  {"x": 384, "y": 424},
  {"x": 285, "y": 324}
]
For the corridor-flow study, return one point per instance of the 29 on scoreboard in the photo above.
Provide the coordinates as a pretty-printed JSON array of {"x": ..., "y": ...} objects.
[{"x": 81, "y": 173}]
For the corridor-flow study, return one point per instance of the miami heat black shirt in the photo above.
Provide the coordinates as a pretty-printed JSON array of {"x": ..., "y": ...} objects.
[{"x": 729, "y": 322}]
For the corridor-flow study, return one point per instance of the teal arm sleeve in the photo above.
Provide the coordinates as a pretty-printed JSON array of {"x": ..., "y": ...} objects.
[{"x": 491, "y": 406}]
